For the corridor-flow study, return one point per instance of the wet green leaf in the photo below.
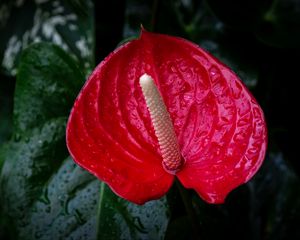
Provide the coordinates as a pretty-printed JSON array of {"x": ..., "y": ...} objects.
[
  {"x": 46, "y": 87},
  {"x": 29, "y": 162},
  {"x": 65, "y": 207},
  {"x": 48, "y": 82},
  {"x": 44, "y": 194},
  {"x": 120, "y": 219}
]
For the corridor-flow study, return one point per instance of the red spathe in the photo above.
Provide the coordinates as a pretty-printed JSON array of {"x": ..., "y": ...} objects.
[{"x": 220, "y": 127}]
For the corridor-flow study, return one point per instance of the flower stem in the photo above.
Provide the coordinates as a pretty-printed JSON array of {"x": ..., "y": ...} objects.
[{"x": 187, "y": 201}]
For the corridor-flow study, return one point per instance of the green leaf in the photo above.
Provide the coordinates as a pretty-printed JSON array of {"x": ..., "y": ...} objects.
[
  {"x": 120, "y": 219},
  {"x": 43, "y": 193},
  {"x": 48, "y": 82},
  {"x": 28, "y": 164},
  {"x": 46, "y": 87},
  {"x": 60, "y": 22},
  {"x": 65, "y": 207}
]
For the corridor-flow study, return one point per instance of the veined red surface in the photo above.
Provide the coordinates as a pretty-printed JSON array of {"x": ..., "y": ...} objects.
[{"x": 220, "y": 127}]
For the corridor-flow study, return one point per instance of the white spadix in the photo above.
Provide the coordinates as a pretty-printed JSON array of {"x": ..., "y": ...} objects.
[{"x": 162, "y": 123}]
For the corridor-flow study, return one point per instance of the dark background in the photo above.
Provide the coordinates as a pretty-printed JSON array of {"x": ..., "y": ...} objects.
[{"x": 260, "y": 41}]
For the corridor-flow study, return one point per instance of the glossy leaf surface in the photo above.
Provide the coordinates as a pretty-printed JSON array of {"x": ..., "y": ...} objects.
[
  {"x": 120, "y": 219},
  {"x": 219, "y": 125},
  {"x": 37, "y": 148},
  {"x": 43, "y": 193}
]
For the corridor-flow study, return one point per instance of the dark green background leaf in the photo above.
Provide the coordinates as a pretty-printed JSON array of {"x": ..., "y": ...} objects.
[
  {"x": 268, "y": 207},
  {"x": 59, "y": 22},
  {"x": 28, "y": 165},
  {"x": 120, "y": 219},
  {"x": 192, "y": 20},
  {"x": 65, "y": 207},
  {"x": 48, "y": 82},
  {"x": 45, "y": 196},
  {"x": 40, "y": 113},
  {"x": 274, "y": 22},
  {"x": 280, "y": 25}
]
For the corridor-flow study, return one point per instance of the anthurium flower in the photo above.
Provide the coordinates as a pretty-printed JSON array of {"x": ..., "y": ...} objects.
[{"x": 160, "y": 107}]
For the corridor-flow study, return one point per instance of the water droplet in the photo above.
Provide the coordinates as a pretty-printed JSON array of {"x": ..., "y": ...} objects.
[
  {"x": 17, "y": 137},
  {"x": 92, "y": 166},
  {"x": 213, "y": 71},
  {"x": 173, "y": 69},
  {"x": 148, "y": 67}
]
